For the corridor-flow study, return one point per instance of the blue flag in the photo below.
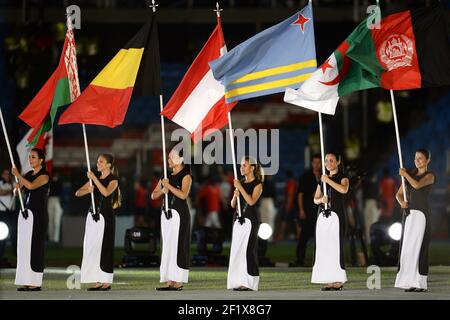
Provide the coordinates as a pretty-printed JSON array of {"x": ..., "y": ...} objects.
[{"x": 279, "y": 57}]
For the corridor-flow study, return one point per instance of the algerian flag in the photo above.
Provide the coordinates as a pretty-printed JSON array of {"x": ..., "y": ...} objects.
[{"x": 409, "y": 50}]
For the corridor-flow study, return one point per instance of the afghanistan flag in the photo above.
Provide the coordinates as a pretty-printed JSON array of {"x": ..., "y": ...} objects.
[
  {"x": 137, "y": 66},
  {"x": 60, "y": 89},
  {"x": 410, "y": 50}
]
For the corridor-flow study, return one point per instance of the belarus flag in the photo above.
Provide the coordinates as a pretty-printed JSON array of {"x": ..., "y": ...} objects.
[{"x": 198, "y": 104}]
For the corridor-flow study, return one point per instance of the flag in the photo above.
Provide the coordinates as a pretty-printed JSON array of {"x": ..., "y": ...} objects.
[
  {"x": 45, "y": 142},
  {"x": 60, "y": 89},
  {"x": 105, "y": 101},
  {"x": 410, "y": 50},
  {"x": 279, "y": 57},
  {"x": 198, "y": 104}
]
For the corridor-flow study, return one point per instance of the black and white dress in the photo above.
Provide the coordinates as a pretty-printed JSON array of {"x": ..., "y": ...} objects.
[
  {"x": 413, "y": 262},
  {"x": 32, "y": 233},
  {"x": 175, "y": 234},
  {"x": 243, "y": 269},
  {"x": 98, "y": 244},
  {"x": 330, "y": 232}
]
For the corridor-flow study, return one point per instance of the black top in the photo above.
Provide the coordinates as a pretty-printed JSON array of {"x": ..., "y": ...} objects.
[
  {"x": 335, "y": 198},
  {"x": 418, "y": 198},
  {"x": 307, "y": 185},
  {"x": 269, "y": 190},
  {"x": 177, "y": 182},
  {"x": 55, "y": 188},
  {"x": 248, "y": 211},
  {"x": 105, "y": 203},
  {"x": 36, "y": 199}
]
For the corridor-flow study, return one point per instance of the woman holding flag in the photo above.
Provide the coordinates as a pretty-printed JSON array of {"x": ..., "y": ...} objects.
[
  {"x": 413, "y": 264},
  {"x": 329, "y": 265},
  {"x": 32, "y": 223},
  {"x": 243, "y": 271},
  {"x": 98, "y": 247},
  {"x": 175, "y": 224}
]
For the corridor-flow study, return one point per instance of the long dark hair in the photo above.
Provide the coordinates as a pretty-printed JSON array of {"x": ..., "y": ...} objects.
[
  {"x": 41, "y": 155},
  {"x": 338, "y": 159},
  {"x": 427, "y": 155},
  {"x": 117, "y": 196},
  {"x": 258, "y": 171}
]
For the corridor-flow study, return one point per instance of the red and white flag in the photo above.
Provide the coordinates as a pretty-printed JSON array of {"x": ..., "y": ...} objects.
[
  {"x": 45, "y": 142},
  {"x": 198, "y": 104}
]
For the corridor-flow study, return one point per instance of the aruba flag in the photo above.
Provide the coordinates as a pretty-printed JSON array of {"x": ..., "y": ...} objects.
[{"x": 282, "y": 56}]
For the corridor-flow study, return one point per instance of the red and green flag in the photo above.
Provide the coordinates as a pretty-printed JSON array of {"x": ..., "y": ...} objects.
[
  {"x": 409, "y": 50},
  {"x": 61, "y": 89},
  {"x": 134, "y": 69}
]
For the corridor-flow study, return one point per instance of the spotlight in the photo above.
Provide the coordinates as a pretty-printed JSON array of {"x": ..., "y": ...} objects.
[
  {"x": 384, "y": 243},
  {"x": 395, "y": 231},
  {"x": 265, "y": 231},
  {"x": 140, "y": 248},
  {"x": 4, "y": 231}
]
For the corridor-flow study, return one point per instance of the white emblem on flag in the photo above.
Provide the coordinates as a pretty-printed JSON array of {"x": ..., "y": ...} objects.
[{"x": 396, "y": 51}]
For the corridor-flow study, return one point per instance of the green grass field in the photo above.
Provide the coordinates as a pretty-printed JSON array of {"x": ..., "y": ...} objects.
[{"x": 283, "y": 252}]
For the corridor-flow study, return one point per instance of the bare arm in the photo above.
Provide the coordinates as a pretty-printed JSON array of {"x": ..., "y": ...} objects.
[
  {"x": 158, "y": 191},
  {"x": 185, "y": 188},
  {"x": 425, "y": 181},
  {"x": 399, "y": 198},
  {"x": 318, "y": 196},
  {"x": 339, "y": 187},
  {"x": 253, "y": 198},
  {"x": 84, "y": 190},
  {"x": 106, "y": 192},
  {"x": 37, "y": 183}
]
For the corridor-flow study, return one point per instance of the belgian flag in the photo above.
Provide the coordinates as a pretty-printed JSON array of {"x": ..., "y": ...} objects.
[{"x": 135, "y": 68}]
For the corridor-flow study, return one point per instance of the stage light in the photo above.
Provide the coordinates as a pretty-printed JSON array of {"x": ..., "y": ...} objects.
[
  {"x": 209, "y": 247},
  {"x": 395, "y": 231},
  {"x": 383, "y": 244},
  {"x": 140, "y": 248},
  {"x": 265, "y": 231},
  {"x": 4, "y": 231}
]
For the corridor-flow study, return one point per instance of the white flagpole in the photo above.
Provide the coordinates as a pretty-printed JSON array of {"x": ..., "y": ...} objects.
[
  {"x": 163, "y": 132},
  {"x": 231, "y": 134},
  {"x": 11, "y": 156},
  {"x": 86, "y": 150},
  {"x": 233, "y": 155},
  {"x": 324, "y": 186},
  {"x": 163, "y": 137},
  {"x": 399, "y": 148}
]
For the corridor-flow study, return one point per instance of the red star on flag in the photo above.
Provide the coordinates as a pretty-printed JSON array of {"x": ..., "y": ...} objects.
[
  {"x": 325, "y": 66},
  {"x": 301, "y": 21}
]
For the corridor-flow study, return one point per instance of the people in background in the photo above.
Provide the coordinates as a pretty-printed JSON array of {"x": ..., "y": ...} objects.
[
  {"x": 307, "y": 215},
  {"x": 55, "y": 210}
]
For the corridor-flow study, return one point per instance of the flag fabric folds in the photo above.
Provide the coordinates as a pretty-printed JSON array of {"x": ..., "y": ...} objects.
[
  {"x": 44, "y": 142},
  {"x": 136, "y": 66},
  {"x": 60, "y": 89},
  {"x": 281, "y": 56},
  {"x": 410, "y": 50},
  {"x": 198, "y": 104}
]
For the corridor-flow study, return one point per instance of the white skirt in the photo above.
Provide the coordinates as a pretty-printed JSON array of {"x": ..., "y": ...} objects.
[
  {"x": 408, "y": 276},
  {"x": 169, "y": 269},
  {"x": 25, "y": 276},
  {"x": 92, "y": 252},
  {"x": 327, "y": 267},
  {"x": 237, "y": 270}
]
